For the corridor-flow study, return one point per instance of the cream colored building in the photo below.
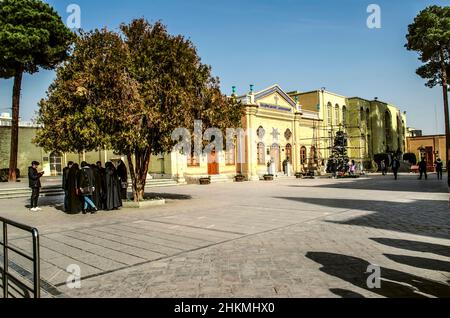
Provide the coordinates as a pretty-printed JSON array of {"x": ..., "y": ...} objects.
[{"x": 297, "y": 128}]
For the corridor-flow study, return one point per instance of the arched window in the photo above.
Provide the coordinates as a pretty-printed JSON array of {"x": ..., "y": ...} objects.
[
  {"x": 303, "y": 155},
  {"x": 344, "y": 116},
  {"x": 55, "y": 163},
  {"x": 329, "y": 114},
  {"x": 289, "y": 153},
  {"x": 336, "y": 115},
  {"x": 261, "y": 154},
  {"x": 361, "y": 116},
  {"x": 261, "y": 132}
]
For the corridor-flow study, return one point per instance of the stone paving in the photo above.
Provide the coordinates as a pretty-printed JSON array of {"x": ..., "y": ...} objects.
[{"x": 287, "y": 238}]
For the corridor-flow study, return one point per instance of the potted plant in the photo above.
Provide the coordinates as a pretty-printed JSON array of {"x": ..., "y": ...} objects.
[
  {"x": 268, "y": 177},
  {"x": 239, "y": 178}
]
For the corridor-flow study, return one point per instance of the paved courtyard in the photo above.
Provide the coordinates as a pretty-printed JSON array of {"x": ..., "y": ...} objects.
[{"x": 287, "y": 238}]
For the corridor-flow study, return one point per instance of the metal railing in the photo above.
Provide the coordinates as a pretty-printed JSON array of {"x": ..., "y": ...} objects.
[{"x": 6, "y": 275}]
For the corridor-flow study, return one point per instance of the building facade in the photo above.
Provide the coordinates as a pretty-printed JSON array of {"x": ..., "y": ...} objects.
[
  {"x": 429, "y": 147},
  {"x": 285, "y": 133}
]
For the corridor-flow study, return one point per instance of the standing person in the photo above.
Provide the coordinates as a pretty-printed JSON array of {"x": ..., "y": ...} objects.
[
  {"x": 423, "y": 169},
  {"x": 87, "y": 188},
  {"x": 123, "y": 175},
  {"x": 73, "y": 192},
  {"x": 383, "y": 167},
  {"x": 97, "y": 194},
  {"x": 395, "y": 167},
  {"x": 112, "y": 182},
  {"x": 64, "y": 183},
  {"x": 34, "y": 180},
  {"x": 101, "y": 172},
  {"x": 439, "y": 167}
]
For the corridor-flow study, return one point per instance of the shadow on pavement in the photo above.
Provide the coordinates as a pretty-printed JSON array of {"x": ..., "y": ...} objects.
[
  {"x": 419, "y": 262},
  {"x": 421, "y": 217},
  {"x": 387, "y": 183},
  {"x": 416, "y": 246},
  {"x": 394, "y": 284},
  {"x": 168, "y": 196},
  {"x": 345, "y": 293}
]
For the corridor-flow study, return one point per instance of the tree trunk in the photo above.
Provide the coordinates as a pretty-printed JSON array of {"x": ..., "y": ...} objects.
[
  {"x": 138, "y": 171},
  {"x": 446, "y": 111},
  {"x": 15, "y": 125}
]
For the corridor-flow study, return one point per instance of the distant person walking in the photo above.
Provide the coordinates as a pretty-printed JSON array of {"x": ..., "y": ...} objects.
[
  {"x": 123, "y": 175},
  {"x": 65, "y": 185},
  {"x": 395, "y": 167},
  {"x": 383, "y": 167},
  {"x": 439, "y": 165},
  {"x": 34, "y": 180},
  {"x": 423, "y": 169}
]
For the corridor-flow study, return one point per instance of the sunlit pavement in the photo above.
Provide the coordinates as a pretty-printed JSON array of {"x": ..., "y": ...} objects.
[{"x": 287, "y": 238}]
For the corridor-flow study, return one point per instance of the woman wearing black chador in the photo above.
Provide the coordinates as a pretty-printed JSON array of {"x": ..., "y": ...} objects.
[{"x": 112, "y": 183}]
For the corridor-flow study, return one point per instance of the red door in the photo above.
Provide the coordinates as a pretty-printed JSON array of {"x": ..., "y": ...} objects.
[{"x": 213, "y": 165}]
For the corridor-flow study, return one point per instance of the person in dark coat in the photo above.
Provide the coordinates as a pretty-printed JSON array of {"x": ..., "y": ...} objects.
[
  {"x": 123, "y": 175},
  {"x": 112, "y": 182},
  {"x": 439, "y": 168},
  {"x": 64, "y": 182},
  {"x": 86, "y": 183},
  {"x": 423, "y": 169},
  {"x": 73, "y": 195},
  {"x": 34, "y": 179},
  {"x": 395, "y": 167},
  {"x": 97, "y": 195},
  {"x": 101, "y": 172}
]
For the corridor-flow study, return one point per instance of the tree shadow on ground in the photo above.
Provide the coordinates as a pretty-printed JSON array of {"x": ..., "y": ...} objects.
[
  {"x": 387, "y": 183},
  {"x": 422, "y": 217},
  {"x": 394, "y": 284},
  {"x": 420, "y": 262},
  {"x": 416, "y": 246}
]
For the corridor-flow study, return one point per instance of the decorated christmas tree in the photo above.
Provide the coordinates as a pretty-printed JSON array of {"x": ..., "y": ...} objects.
[{"x": 339, "y": 157}]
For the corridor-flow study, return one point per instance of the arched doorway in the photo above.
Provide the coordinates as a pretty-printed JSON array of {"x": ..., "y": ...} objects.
[
  {"x": 55, "y": 164},
  {"x": 213, "y": 163},
  {"x": 275, "y": 156}
]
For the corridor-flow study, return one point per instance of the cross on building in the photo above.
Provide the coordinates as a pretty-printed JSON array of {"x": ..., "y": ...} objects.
[{"x": 276, "y": 99}]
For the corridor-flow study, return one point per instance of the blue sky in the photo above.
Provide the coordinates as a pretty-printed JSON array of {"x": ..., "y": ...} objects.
[{"x": 301, "y": 45}]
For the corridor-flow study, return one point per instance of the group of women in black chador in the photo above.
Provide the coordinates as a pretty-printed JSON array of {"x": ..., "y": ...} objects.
[{"x": 91, "y": 188}]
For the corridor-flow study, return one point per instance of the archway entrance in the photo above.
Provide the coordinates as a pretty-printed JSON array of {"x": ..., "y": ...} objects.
[{"x": 275, "y": 156}]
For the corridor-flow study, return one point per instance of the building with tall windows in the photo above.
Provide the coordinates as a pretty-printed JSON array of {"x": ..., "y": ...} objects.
[{"x": 285, "y": 133}]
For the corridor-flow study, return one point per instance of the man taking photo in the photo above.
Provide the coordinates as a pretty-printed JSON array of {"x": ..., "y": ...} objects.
[{"x": 34, "y": 179}]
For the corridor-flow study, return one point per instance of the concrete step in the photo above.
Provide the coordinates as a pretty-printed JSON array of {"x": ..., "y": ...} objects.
[
  {"x": 221, "y": 179},
  {"x": 55, "y": 190}
]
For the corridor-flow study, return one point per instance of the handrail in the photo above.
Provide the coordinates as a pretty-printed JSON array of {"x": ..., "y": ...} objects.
[{"x": 35, "y": 258}]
